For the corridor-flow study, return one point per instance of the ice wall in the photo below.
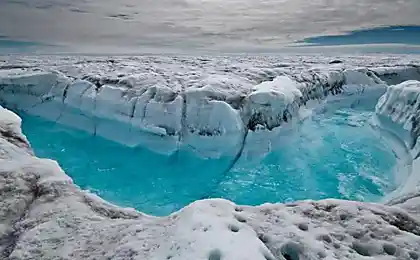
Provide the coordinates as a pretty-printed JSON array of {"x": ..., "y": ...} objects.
[
  {"x": 213, "y": 115},
  {"x": 398, "y": 112}
]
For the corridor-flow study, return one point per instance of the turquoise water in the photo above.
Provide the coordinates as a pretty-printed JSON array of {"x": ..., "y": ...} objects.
[{"x": 336, "y": 156}]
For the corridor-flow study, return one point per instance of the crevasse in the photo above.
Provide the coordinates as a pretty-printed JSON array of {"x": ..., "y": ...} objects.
[{"x": 210, "y": 113}]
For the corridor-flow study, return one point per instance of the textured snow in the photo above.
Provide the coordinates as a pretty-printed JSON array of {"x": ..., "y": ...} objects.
[
  {"x": 43, "y": 215},
  {"x": 206, "y": 105}
]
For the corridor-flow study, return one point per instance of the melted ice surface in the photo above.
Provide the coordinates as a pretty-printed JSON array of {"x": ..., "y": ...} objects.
[{"x": 327, "y": 156}]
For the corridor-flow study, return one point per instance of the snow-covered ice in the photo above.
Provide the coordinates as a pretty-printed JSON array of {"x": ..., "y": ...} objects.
[{"x": 212, "y": 106}]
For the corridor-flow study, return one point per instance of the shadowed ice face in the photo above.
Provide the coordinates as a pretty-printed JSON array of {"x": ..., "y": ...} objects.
[{"x": 194, "y": 24}]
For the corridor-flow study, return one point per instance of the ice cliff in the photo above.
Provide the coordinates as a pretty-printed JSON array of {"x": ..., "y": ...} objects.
[{"x": 212, "y": 106}]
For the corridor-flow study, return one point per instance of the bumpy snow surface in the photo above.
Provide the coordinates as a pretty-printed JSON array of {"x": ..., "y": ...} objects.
[{"x": 212, "y": 106}]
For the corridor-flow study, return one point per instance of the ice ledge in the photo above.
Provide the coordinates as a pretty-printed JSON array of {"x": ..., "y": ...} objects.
[{"x": 43, "y": 215}]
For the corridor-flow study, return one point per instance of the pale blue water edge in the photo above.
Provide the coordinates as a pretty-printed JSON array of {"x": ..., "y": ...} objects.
[
  {"x": 409, "y": 34},
  {"x": 334, "y": 156},
  {"x": 9, "y": 46}
]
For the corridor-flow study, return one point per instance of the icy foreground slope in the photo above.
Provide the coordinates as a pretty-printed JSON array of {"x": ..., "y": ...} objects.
[{"x": 43, "y": 215}]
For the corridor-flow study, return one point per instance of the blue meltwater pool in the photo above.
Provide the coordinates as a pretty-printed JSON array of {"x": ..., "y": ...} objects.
[{"x": 337, "y": 155}]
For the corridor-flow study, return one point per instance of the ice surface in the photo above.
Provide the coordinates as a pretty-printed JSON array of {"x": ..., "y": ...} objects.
[{"x": 43, "y": 215}]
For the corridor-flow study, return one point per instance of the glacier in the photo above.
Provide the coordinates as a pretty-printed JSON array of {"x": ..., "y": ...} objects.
[{"x": 214, "y": 106}]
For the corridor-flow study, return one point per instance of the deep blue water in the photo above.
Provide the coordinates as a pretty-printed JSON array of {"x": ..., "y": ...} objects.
[
  {"x": 380, "y": 35},
  {"x": 336, "y": 156}
]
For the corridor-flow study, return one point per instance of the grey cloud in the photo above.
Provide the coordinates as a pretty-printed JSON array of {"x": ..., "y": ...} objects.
[{"x": 200, "y": 24}]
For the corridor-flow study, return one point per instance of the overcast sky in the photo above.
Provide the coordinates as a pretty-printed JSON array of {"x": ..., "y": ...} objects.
[{"x": 194, "y": 24}]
